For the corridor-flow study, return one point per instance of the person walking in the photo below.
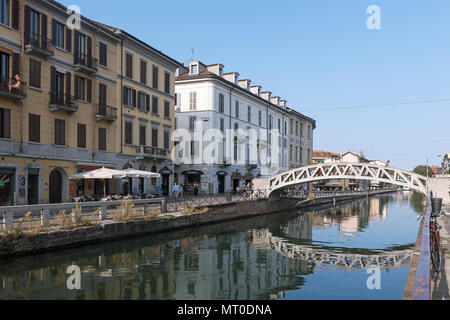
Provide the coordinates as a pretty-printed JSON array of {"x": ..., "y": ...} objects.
[{"x": 175, "y": 191}]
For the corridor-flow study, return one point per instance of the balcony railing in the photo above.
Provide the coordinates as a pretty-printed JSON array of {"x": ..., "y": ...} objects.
[
  {"x": 105, "y": 112},
  {"x": 151, "y": 152},
  {"x": 15, "y": 93},
  {"x": 37, "y": 44},
  {"x": 61, "y": 101},
  {"x": 85, "y": 63}
]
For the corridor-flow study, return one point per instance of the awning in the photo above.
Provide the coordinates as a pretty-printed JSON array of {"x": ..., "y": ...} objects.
[
  {"x": 192, "y": 173},
  {"x": 103, "y": 173},
  {"x": 165, "y": 171},
  {"x": 132, "y": 173}
]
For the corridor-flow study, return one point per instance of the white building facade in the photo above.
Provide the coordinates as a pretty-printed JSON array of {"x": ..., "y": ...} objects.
[
  {"x": 211, "y": 99},
  {"x": 301, "y": 139}
]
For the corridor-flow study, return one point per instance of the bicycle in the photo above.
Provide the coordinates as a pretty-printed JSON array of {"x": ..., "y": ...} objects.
[{"x": 435, "y": 242}]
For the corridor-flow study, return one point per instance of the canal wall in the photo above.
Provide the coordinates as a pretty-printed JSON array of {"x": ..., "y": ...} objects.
[
  {"x": 110, "y": 231},
  {"x": 332, "y": 200}
]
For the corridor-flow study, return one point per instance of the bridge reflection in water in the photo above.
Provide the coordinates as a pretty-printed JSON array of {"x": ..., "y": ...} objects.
[{"x": 259, "y": 258}]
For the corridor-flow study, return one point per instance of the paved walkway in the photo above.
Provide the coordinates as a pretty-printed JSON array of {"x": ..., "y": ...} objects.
[{"x": 440, "y": 283}]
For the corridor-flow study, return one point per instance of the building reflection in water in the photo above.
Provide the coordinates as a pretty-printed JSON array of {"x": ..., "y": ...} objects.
[{"x": 257, "y": 258}]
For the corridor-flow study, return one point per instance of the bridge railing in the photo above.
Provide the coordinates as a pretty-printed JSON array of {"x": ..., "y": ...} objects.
[
  {"x": 300, "y": 194},
  {"x": 421, "y": 289}
]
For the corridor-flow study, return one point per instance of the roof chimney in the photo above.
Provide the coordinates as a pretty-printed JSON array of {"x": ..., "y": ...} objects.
[
  {"x": 256, "y": 90},
  {"x": 275, "y": 100},
  {"x": 283, "y": 104},
  {"x": 245, "y": 84},
  {"x": 217, "y": 69},
  {"x": 266, "y": 95},
  {"x": 232, "y": 77},
  {"x": 196, "y": 67}
]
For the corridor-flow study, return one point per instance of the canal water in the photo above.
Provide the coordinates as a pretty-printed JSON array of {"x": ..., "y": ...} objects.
[{"x": 358, "y": 250}]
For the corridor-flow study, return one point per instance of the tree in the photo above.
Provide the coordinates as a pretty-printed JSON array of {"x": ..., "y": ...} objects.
[{"x": 422, "y": 170}]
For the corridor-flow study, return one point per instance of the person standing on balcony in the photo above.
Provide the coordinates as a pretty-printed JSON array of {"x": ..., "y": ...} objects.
[{"x": 16, "y": 83}]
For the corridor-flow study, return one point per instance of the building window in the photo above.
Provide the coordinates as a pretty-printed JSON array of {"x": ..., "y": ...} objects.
[
  {"x": 129, "y": 97},
  {"x": 81, "y": 43},
  {"x": 4, "y": 66},
  {"x": 4, "y": 12},
  {"x": 222, "y": 125},
  {"x": 80, "y": 92},
  {"x": 59, "y": 35},
  {"x": 103, "y": 54},
  {"x": 35, "y": 73},
  {"x": 143, "y": 72},
  {"x": 249, "y": 114},
  {"x": 270, "y": 122},
  {"x": 237, "y": 109},
  {"x": 167, "y": 83},
  {"x": 129, "y": 65},
  {"x": 142, "y": 134},
  {"x": 296, "y": 128},
  {"x": 34, "y": 26},
  {"x": 102, "y": 139},
  {"x": 166, "y": 139},
  {"x": 143, "y": 101},
  {"x": 192, "y": 123},
  {"x": 60, "y": 132},
  {"x": 194, "y": 69},
  {"x": 155, "y": 105},
  {"x": 5, "y": 123},
  {"x": 129, "y": 132},
  {"x": 167, "y": 109},
  {"x": 81, "y": 135},
  {"x": 221, "y": 103},
  {"x": 296, "y": 154},
  {"x": 154, "y": 137},
  {"x": 34, "y": 128},
  {"x": 291, "y": 127},
  {"x": 260, "y": 118},
  {"x": 193, "y": 101},
  {"x": 155, "y": 77},
  {"x": 309, "y": 132}
]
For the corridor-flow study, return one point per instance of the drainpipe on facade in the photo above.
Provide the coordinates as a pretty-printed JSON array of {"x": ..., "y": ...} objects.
[{"x": 22, "y": 60}]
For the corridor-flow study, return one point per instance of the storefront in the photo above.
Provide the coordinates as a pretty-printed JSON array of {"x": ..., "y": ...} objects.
[
  {"x": 165, "y": 180},
  {"x": 221, "y": 181},
  {"x": 7, "y": 186}
]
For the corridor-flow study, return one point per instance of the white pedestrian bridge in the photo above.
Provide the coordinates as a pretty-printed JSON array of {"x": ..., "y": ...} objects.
[{"x": 341, "y": 170}]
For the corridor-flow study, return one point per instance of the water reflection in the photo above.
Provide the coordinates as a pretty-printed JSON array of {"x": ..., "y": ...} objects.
[{"x": 258, "y": 258}]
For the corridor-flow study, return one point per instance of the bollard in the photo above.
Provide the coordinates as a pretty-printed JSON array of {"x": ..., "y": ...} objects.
[
  {"x": 45, "y": 217},
  {"x": 146, "y": 210},
  {"x": 104, "y": 212},
  {"x": 164, "y": 206},
  {"x": 8, "y": 220}
]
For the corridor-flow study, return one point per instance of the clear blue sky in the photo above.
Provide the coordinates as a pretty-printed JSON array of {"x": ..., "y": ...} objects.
[{"x": 320, "y": 56}]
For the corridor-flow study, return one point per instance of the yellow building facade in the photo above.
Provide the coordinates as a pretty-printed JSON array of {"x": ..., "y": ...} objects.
[{"x": 67, "y": 111}]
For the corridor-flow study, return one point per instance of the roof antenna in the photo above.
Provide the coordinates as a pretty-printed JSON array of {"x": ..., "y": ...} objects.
[{"x": 193, "y": 54}]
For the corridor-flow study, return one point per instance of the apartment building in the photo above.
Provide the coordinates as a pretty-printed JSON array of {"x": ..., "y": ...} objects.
[
  {"x": 68, "y": 114},
  {"x": 222, "y": 101},
  {"x": 301, "y": 139}
]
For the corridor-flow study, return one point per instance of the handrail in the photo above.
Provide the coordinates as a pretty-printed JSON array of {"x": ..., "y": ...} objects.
[
  {"x": 421, "y": 289},
  {"x": 106, "y": 111}
]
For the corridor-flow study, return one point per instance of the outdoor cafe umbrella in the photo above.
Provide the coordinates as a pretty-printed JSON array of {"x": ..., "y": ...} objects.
[
  {"x": 103, "y": 173},
  {"x": 132, "y": 173}
]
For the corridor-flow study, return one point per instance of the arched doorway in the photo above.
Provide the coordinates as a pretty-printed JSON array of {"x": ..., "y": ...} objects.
[{"x": 55, "y": 187}]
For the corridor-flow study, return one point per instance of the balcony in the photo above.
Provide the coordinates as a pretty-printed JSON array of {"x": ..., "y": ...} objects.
[
  {"x": 38, "y": 45},
  {"x": 18, "y": 94},
  {"x": 85, "y": 64},
  {"x": 63, "y": 102},
  {"x": 151, "y": 152},
  {"x": 105, "y": 112}
]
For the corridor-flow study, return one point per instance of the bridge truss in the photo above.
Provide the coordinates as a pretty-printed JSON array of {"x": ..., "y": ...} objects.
[{"x": 354, "y": 171}]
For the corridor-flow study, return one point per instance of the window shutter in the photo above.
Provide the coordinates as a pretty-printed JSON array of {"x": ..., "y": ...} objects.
[
  {"x": 167, "y": 83},
  {"x": 89, "y": 52},
  {"x": 147, "y": 100},
  {"x": 27, "y": 24},
  {"x": 15, "y": 15},
  {"x": 76, "y": 49},
  {"x": 125, "y": 96},
  {"x": 53, "y": 79},
  {"x": 101, "y": 138},
  {"x": 54, "y": 32},
  {"x": 102, "y": 94},
  {"x": 68, "y": 40},
  {"x": 34, "y": 129},
  {"x": 129, "y": 66},
  {"x": 16, "y": 64},
  {"x": 142, "y": 135},
  {"x": 76, "y": 87},
  {"x": 89, "y": 90},
  {"x": 155, "y": 77},
  {"x": 143, "y": 72},
  {"x": 6, "y": 123},
  {"x": 44, "y": 33},
  {"x": 134, "y": 98},
  {"x": 68, "y": 88}
]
